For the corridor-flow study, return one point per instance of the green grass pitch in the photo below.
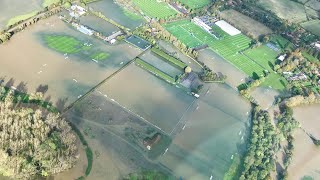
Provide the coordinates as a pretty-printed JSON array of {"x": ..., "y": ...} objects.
[{"x": 154, "y": 8}]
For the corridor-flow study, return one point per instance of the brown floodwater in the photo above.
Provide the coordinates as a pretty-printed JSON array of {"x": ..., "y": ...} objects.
[{"x": 25, "y": 58}]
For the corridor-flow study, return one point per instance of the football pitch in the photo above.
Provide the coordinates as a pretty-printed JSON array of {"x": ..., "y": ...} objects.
[
  {"x": 228, "y": 46},
  {"x": 155, "y": 8},
  {"x": 234, "y": 49}
]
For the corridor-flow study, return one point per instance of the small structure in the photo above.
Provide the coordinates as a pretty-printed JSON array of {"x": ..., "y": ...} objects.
[
  {"x": 83, "y": 29},
  {"x": 113, "y": 41},
  {"x": 113, "y": 36},
  {"x": 226, "y": 27},
  {"x": 149, "y": 142},
  {"x": 282, "y": 57},
  {"x": 76, "y": 11}
]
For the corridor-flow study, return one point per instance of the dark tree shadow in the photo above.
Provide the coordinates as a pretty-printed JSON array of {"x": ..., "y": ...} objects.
[
  {"x": 10, "y": 83},
  {"x": 22, "y": 87},
  {"x": 61, "y": 103},
  {"x": 271, "y": 65},
  {"x": 47, "y": 99},
  {"x": 42, "y": 88}
]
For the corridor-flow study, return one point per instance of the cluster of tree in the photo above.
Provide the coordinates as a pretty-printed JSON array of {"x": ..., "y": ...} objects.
[
  {"x": 247, "y": 87},
  {"x": 162, "y": 33},
  {"x": 259, "y": 160},
  {"x": 33, "y": 142},
  {"x": 302, "y": 100},
  {"x": 286, "y": 124},
  {"x": 207, "y": 75}
]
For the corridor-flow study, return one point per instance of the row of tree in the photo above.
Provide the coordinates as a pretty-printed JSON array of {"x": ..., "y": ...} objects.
[{"x": 259, "y": 160}]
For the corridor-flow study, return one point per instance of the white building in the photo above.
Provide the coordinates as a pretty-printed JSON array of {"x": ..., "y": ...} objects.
[
  {"x": 76, "y": 11},
  {"x": 200, "y": 23},
  {"x": 282, "y": 57},
  {"x": 226, "y": 27}
]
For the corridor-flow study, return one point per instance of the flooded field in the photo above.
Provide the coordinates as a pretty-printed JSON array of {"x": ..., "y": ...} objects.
[
  {"x": 110, "y": 131},
  {"x": 214, "y": 133},
  {"x": 99, "y": 25},
  {"x": 161, "y": 64},
  {"x": 215, "y": 62},
  {"x": 151, "y": 98},
  {"x": 308, "y": 116},
  {"x": 62, "y": 77},
  {"x": 176, "y": 53},
  {"x": 12, "y": 8},
  {"x": 115, "y": 12},
  {"x": 264, "y": 96},
  {"x": 306, "y": 156}
]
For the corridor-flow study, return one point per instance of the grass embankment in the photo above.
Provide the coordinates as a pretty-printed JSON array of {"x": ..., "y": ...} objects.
[
  {"x": 155, "y": 9},
  {"x": 100, "y": 56},
  {"x": 170, "y": 59},
  {"x": 234, "y": 169},
  {"x": 23, "y": 17},
  {"x": 25, "y": 98},
  {"x": 88, "y": 150},
  {"x": 154, "y": 71}
]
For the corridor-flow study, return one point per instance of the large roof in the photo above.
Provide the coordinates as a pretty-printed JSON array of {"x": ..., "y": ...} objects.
[{"x": 227, "y": 28}]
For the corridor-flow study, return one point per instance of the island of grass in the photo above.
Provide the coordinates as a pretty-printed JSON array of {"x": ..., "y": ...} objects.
[
  {"x": 23, "y": 17},
  {"x": 155, "y": 8},
  {"x": 155, "y": 71},
  {"x": 172, "y": 60},
  {"x": 100, "y": 56},
  {"x": 64, "y": 44}
]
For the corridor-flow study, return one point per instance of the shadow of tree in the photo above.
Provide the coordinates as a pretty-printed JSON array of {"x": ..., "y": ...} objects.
[
  {"x": 61, "y": 103},
  {"x": 10, "y": 83},
  {"x": 22, "y": 87},
  {"x": 42, "y": 88}
]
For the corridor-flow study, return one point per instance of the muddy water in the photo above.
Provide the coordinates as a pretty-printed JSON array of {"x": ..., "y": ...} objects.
[
  {"x": 308, "y": 116},
  {"x": 25, "y": 58},
  {"x": 12, "y": 8},
  {"x": 218, "y": 64},
  {"x": 214, "y": 131},
  {"x": 144, "y": 94},
  {"x": 306, "y": 156},
  {"x": 113, "y": 11},
  {"x": 161, "y": 64}
]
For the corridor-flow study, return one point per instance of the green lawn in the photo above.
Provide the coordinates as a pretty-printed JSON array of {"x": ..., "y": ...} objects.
[
  {"x": 64, "y": 44},
  {"x": 155, "y": 9},
  {"x": 310, "y": 58},
  {"x": 71, "y": 45},
  {"x": 266, "y": 57},
  {"x": 193, "y": 4},
  {"x": 281, "y": 42},
  {"x": 21, "y": 18},
  {"x": 100, "y": 56},
  {"x": 312, "y": 26},
  {"x": 155, "y": 71}
]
